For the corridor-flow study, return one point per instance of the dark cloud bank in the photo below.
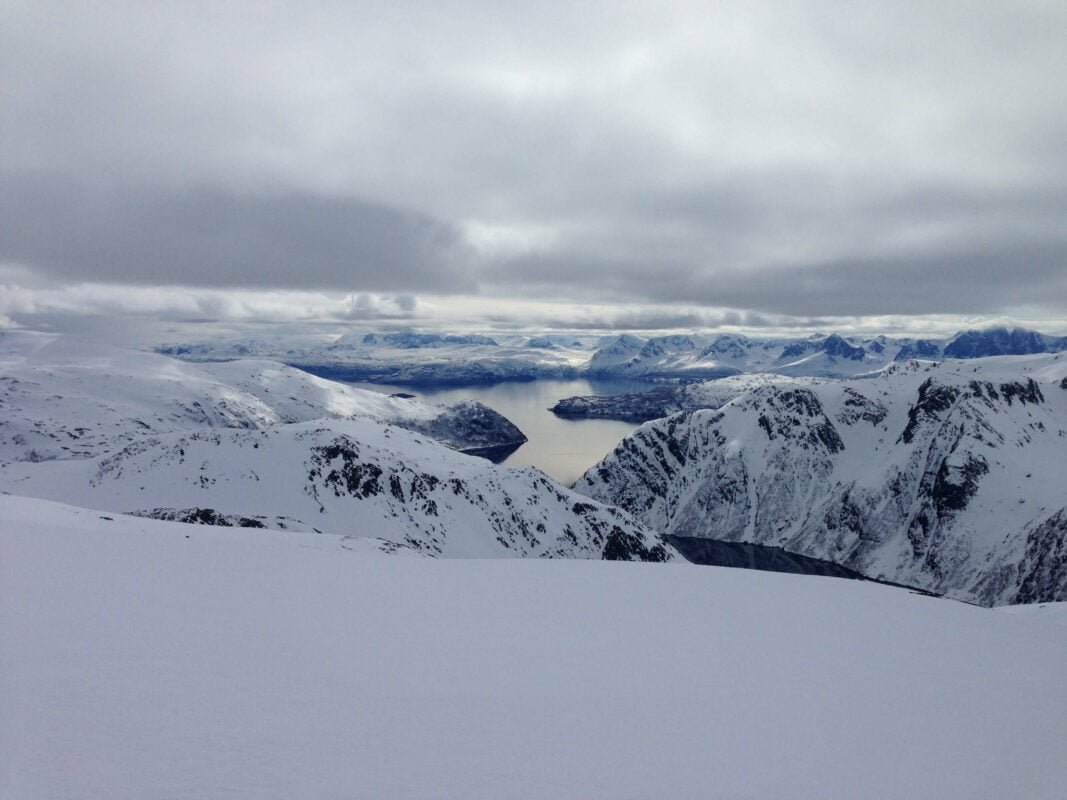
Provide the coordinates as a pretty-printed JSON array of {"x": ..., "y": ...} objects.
[{"x": 204, "y": 236}]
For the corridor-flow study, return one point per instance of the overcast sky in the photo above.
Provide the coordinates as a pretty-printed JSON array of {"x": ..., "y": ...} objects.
[{"x": 650, "y": 164}]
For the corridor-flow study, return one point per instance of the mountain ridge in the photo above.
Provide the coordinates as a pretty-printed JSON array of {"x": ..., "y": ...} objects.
[{"x": 943, "y": 476}]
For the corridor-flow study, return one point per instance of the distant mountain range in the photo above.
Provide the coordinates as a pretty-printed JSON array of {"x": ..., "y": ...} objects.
[
  {"x": 466, "y": 359},
  {"x": 700, "y": 356}
]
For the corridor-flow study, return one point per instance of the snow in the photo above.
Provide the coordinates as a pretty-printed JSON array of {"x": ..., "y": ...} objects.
[
  {"x": 355, "y": 477},
  {"x": 132, "y": 432},
  {"x": 66, "y": 398},
  {"x": 150, "y": 659}
]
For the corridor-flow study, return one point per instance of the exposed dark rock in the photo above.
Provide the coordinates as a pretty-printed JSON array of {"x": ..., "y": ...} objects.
[
  {"x": 1029, "y": 392},
  {"x": 623, "y": 546},
  {"x": 201, "y": 516},
  {"x": 934, "y": 399},
  {"x": 634, "y": 407},
  {"x": 921, "y": 348},
  {"x": 1043, "y": 571},
  {"x": 956, "y": 484}
]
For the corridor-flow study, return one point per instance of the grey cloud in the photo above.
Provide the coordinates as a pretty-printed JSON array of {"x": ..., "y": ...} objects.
[
  {"x": 979, "y": 280},
  {"x": 782, "y": 158},
  {"x": 791, "y": 244},
  {"x": 211, "y": 237}
]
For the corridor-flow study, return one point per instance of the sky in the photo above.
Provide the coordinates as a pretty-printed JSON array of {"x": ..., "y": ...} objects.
[{"x": 883, "y": 165}]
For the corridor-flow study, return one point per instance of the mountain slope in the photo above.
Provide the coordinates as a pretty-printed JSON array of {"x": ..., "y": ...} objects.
[
  {"x": 145, "y": 659},
  {"x": 944, "y": 476},
  {"x": 64, "y": 398},
  {"x": 354, "y": 477}
]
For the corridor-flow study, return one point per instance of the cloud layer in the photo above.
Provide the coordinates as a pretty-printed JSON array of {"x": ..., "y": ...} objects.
[{"x": 801, "y": 159}]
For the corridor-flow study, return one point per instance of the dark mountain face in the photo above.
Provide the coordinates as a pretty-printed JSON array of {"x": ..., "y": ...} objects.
[
  {"x": 838, "y": 348},
  {"x": 996, "y": 342},
  {"x": 921, "y": 348}
]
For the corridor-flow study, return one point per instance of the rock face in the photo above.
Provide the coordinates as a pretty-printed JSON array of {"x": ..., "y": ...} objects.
[{"x": 943, "y": 476}]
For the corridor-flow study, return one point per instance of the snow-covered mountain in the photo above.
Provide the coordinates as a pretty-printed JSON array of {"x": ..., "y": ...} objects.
[
  {"x": 673, "y": 356},
  {"x": 947, "y": 476},
  {"x": 440, "y": 358},
  {"x": 707, "y": 356},
  {"x": 1002, "y": 342},
  {"x": 816, "y": 356},
  {"x": 253, "y": 443},
  {"x": 410, "y": 358},
  {"x": 146, "y": 659},
  {"x": 63, "y": 397},
  {"x": 353, "y": 477}
]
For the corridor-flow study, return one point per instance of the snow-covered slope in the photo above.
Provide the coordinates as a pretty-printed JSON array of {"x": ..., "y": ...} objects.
[
  {"x": 355, "y": 477},
  {"x": 144, "y": 659},
  {"x": 947, "y": 476},
  {"x": 62, "y": 397}
]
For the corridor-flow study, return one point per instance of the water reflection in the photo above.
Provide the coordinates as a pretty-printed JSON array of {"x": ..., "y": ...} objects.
[{"x": 562, "y": 448}]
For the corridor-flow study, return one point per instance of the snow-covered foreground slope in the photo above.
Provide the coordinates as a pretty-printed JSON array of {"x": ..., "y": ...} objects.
[
  {"x": 62, "y": 398},
  {"x": 947, "y": 476},
  {"x": 148, "y": 659},
  {"x": 355, "y": 477}
]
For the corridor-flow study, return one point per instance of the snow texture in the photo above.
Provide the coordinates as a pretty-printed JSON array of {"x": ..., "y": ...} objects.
[{"x": 146, "y": 659}]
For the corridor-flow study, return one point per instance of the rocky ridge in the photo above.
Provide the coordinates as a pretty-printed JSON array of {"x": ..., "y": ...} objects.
[{"x": 943, "y": 475}]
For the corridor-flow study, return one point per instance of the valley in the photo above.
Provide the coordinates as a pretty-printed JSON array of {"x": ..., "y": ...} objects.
[{"x": 562, "y": 448}]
